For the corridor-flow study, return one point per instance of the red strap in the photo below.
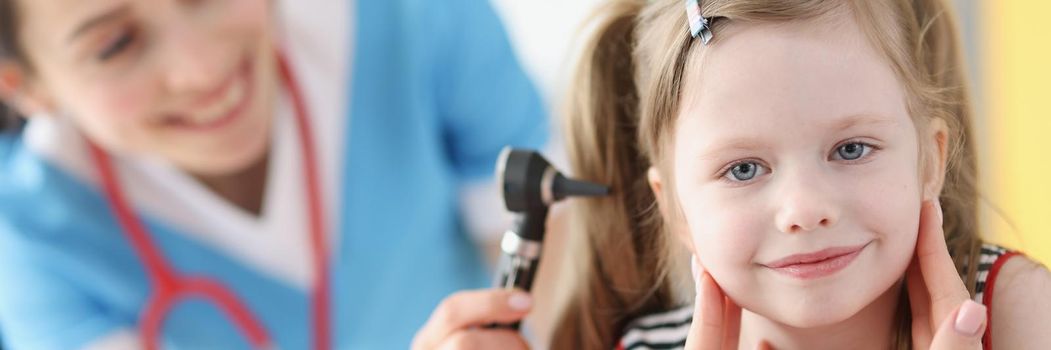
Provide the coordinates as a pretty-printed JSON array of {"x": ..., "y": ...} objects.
[
  {"x": 168, "y": 287},
  {"x": 161, "y": 275},
  {"x": 320, "y": 298},
  {"x": 987, "y": 298}
]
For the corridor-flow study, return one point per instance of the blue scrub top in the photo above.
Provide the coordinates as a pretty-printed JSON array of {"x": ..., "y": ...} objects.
[{"x": 436, "y": 92}]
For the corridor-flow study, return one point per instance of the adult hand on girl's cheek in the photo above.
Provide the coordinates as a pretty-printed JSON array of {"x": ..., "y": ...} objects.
[
  {"x": 716, "y": 321},
  {"x": 943, "y": 314},
  {"x": 458, "y": 321}
]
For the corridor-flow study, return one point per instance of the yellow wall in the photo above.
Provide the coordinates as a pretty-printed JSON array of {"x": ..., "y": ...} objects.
[{"x": 1016, "y": 77}]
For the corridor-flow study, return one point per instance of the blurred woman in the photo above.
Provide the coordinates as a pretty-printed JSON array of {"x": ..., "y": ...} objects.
[{"x": 237, "y": 173}]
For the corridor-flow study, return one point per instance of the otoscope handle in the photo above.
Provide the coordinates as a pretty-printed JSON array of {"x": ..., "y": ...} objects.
[
  {"x": 518, "y": 268},
  {"x": 520, "y": 256},
  {"x": 518, "y": 274}
]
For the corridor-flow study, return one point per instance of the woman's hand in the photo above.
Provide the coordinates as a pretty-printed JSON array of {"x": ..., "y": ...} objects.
[
  {"x": 457, "y": 322},
  {"x": 943, "y": 314},
  {"x": 716, "y": 319}
]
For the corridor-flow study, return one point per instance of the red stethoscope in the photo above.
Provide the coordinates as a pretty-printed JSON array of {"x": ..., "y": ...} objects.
[{"x": 169, "y": 286}]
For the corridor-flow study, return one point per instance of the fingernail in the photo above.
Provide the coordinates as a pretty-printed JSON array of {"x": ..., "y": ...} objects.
[
  {"x": 696, "y": 272},
  {"x": 970, "y": 318},
  {"x": 938, "y": 209},
  {"x": 693, "y": 268},
  {"x": 520, "y": 301}
]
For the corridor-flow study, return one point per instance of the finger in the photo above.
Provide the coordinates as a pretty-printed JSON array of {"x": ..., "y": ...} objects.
[
  {"x": 470, "y": 309},
  {"x": 706, "y": 329},
  {"x": 696, "y": 269},
  {"x": 732, "y": 320},
  {"x": 962, "y": 329},
  {"x": 943, "y": 282},
  {"x": 484, "y": 339},
  {"x": 920, "y": 305}
]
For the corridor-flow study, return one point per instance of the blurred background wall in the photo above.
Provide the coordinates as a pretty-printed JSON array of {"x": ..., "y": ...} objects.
[
  {"x": 1014, "y": 39},
  {"x": 1008, "y": 50}
]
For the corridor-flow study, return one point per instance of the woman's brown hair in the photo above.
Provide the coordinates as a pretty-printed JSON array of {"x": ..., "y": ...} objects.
[{"x": 621, "y": 113}]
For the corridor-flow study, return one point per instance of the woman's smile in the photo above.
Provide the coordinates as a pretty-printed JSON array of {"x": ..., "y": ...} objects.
[{"x": 221, "y": 107}]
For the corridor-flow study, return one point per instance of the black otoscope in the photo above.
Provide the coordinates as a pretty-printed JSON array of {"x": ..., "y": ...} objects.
[{"x": 530, "y": 185}]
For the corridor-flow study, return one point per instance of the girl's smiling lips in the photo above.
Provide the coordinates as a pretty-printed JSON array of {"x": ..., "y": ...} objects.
[{"x": 816, "y": 264}]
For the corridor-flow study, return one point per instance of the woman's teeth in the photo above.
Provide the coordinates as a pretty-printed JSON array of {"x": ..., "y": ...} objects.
[{"x": 222, "y": 107}]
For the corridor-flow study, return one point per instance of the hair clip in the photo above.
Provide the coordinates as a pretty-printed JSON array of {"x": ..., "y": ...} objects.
[{"x": 698, "y": 25}]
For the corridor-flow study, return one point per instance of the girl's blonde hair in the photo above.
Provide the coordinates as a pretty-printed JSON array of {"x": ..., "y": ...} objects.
[{"x": 625, "y": 96}]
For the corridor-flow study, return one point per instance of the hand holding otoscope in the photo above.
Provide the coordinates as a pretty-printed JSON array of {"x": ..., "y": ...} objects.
[{"x": 530, "y": 185}]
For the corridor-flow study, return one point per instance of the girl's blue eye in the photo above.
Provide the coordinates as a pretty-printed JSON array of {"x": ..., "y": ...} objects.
[
  {"x": 744, "y": 171},
  {"x": 853, "y": 151}
]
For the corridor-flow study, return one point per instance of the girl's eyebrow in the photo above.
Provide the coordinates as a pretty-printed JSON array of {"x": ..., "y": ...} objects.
[
  {"x": 719, "y": 147},
  {"x": 96, "y": 20},
  {"x": 734, "y": 144},
  {"x": 860, "y": 119}
]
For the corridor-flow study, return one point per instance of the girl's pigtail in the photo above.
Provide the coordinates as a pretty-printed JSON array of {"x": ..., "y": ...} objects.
[{"x": 616, "y": 240}]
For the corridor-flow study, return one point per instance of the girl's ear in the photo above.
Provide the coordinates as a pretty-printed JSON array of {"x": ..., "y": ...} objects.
[
  {"x": 937, "y": 154},
  {"x": 18, "y": 92},
  {"x": 671, "y": 221},
  {"x": 653, "y": 176}
]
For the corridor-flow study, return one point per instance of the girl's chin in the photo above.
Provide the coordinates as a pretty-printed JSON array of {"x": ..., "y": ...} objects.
[
  {"x": 817, "y": 319},
  {"x": 816, "y": 314}
]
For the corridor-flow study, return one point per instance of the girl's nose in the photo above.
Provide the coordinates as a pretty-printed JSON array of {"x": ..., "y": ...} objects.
[{"x": 805, "y": 206}]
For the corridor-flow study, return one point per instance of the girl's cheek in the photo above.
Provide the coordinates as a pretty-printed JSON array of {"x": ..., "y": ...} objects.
[
  {"x": 725, "y": 235},
  {"x": 892, "y": 211},
  {"x": 886, "y": 199}
]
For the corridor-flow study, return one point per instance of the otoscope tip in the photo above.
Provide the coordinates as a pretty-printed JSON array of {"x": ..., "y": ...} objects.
[{"x": 566, "y": 187}]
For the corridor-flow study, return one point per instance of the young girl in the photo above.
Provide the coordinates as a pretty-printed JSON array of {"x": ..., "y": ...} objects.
[
  {"x": 230, "y": 174},
  {"x": 813, "y": 159}
]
